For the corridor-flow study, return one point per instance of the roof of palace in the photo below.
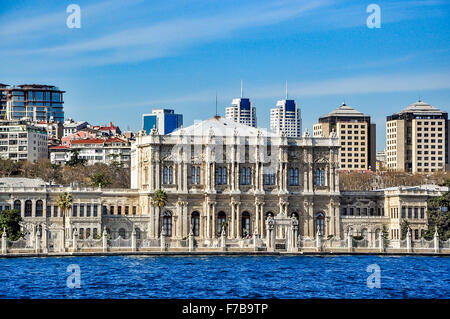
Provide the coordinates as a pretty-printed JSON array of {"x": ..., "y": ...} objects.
[
  {"x": 220, "y": 126},
  {"x": 21, "y": 182},
  {"x": 345, "y": 110},
  {"x": 420, "y": 107},
  {"x": 426, "y": 187}
]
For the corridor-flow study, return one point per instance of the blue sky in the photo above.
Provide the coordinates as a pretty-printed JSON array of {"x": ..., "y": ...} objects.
[{"x": 130, "y": 56}]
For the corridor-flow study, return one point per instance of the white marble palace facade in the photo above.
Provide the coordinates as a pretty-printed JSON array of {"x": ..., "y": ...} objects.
[{"x": 219, "y": 174}]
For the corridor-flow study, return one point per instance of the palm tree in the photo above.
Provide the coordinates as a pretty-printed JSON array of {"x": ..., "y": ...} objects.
[
  {"x": 64, "y": 203},
  {"x": 159, "y": 200}
]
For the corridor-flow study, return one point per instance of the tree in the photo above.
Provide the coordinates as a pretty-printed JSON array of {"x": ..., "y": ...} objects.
[
  {"x": 404, "y": 226},
  {"x": 159, "y": 200},
  {"x": 438, "y": 217},
  {"x": 100, "y": 180},
  {"x": 10, "y": 220},
  {"x": 75, "y": 160},
  {"x": 9, "y": 167},
  {"x": 64, "y": 203}
]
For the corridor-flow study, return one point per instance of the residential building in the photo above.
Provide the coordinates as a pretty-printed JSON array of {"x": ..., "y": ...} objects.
[
  {"x": 357, "y": 137},
  {"x": 164, "y": 120},
  {"x": 33, "y": 102},
  {"x": 20, "y": 141},
  {"x": 417, "y": 139},
  {"x": 108, "y": 130},
  {"x": 286, "y": 117},
  {"x": 381, "y": 160},
  {"x": 102, "y": 150},
  {"x": 71, "y": 126},
  {"x": 59, "y": 154}
]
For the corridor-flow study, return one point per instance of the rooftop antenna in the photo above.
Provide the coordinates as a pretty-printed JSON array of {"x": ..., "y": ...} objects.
[
  {"x": 286, "y": 90},
  {"x": 216, "y": 102},
  {"x": 242, "y": 89}
]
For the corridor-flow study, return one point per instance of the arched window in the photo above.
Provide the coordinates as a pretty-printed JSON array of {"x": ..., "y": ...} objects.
[
  {"x": 245, "y": 230},
  {"x": 364, "y": 233},
  {"x": 322, "y": 177},
  {"x": 165, "y": 175},
  {"x": 167, "y": 223},
  {"x": 198, "y": 174},
  {"x": 224, "y": 175},
  {"x": 18, "y": 206},
  {"x": 221, "y": 222},
  {"x": 269, "y": 214},
  {"x": 193, "y": 175},
  {"x": 39, "y": 208},
  {"x": 219, "y": 176},
  {"x": 249, "y": 176},
  {"x": 138, "y": 233},
  {"x": 123, "y": 233},
  {"x": 296, "y": 177},
  {"x": 28, "y": 208},
  {"x": 195, "y": 223},
  {"x": 272, "y": 178},
  {"x": 294, "y": 214},
  {"x": 317, "y": 176},
  {"x": 377, "y": 233},
  {"x": 243, "y": 176},
  {"x": 291, "y": 176},
  {"x": 170, "y": 175},
  {"x": 320, "y": 224}
]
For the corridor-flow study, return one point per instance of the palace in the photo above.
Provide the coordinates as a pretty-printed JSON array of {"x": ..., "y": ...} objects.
[{"x": 222, "y": 179}]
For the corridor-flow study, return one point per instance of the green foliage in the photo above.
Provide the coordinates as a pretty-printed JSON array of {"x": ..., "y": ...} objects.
[
  {"x": 64, "y": 202},
  {"x": 75, "y": 160},
  {"x": 10, "y": 220},
  {"x": 100, "y": 180},
  {"x": 404, "y": 226},
  {"x": 160, "y": 198},
  {"x": 439, "y": 216},
  {"x": 385, "y": 234}
]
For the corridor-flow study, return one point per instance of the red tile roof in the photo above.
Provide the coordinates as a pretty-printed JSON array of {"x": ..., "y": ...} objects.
[{"x": 89, "y": 141}]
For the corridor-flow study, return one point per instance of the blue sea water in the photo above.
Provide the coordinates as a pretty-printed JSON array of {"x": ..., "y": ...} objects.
[{"x": 226, "y": 277}]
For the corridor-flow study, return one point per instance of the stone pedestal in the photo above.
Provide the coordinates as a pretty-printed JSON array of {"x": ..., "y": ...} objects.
[
  {"x": 4, "y": 242},
  {"x": 436, "y": 241},
  {"x": 105, "y": 240}
]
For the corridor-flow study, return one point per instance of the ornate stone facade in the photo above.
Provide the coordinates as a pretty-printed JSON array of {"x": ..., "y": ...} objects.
[{"x": 223, "y": 177}]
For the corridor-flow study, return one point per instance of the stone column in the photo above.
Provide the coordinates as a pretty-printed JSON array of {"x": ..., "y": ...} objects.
[
  {"x": 238, "y": 220},
  {"x": 208, "y": 219},
  {"x": 44, "y": 239},
  {"x": 33, "y": 208},
  {"x": 105, "y": 240},
  {"x": 37, "y": 241},
  {"x": 232, "y": 220},
  {"x": 256, "y": 231},
  {"x": 185, "y": 178},
  {"x": 191, "y": 241},
  {"x": 305, "y": 179},
  {"x": 408, "y": 240},
  {"x": 318, "y": 240},
  {"x": 74, "y": 240},
  {"x": 436, "y": 241},
  {"x": 350, "y": 240},
  {"x": 381, "y": 241},
  {"x": 151, "y": 176},
  {"x": 311, "y": 219},
  {"x": 151, "y": 227},
  {"x": 223, "y": 239},
  {"x": 133, "y": 240},
  {"x": 270, "y": 234},
  {"x": 213, "y": 220},
  {"x": 163, "y": 239},
  {"x": 4, "y": 242},
  {"x": 310, "y": 178}
]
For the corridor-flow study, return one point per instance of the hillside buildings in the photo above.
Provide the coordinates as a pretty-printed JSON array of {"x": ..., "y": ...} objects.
[
  {"x": 357, "y": 137},
  {"x": 20, "y": 141},
  {"x": 33, "y": 102},
  {"x": 417, "y": 139},
  {"x": 164, "y": 120}
]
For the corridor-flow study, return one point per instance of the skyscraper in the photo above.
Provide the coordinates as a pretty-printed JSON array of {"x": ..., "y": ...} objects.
[
  {"x": 357, "y": 137},
  {"x": 286, "y": 117},
  {"x": 417, "y": 139},
  {"x": 33, "y": 102},
  {"x": 241, "y": 111},
  {"x": 165, "y": 120}
]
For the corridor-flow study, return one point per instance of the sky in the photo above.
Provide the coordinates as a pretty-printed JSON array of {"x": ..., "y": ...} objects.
[{"x": 130, "y": 56}]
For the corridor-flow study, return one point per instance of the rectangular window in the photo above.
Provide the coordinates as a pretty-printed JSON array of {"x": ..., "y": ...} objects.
[
  {"x": 81, "y": 210},
  {"x": 95, "y": 210},
  {"x": 416, "y": 212},
  {"x": 111, "y": 210},
  {"x": 55, "y": 211},
  {"x": 104, "y": 210},
  {"x": 88, "y": 210},
  {"x": 74, "y": 210}
]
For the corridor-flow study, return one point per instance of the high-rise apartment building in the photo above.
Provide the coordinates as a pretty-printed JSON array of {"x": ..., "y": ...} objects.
[
  {"x": 241, "y": 110},
  {"x": 165, "y": 120},
  {"x": 33, "y": 102},
  {"x": 417, "y": 139},
  {"x": 357, "y": 137},
  {"x": 286, "y": 117}
]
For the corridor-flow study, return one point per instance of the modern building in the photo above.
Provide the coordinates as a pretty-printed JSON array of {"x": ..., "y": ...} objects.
[
  {"x": 417, "y": 139},
  {"x": 218, "y": 188},
  {"x": 381, "y": 160},
  {"x": 357, "y": 137},
  {"x": 286, "y": 117},
  {"x": 241, "y": 111},
  {"x": 164, "y": 120},
  {"x": 33, "y": 102},
  {"x": 20, "y": 141}
]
